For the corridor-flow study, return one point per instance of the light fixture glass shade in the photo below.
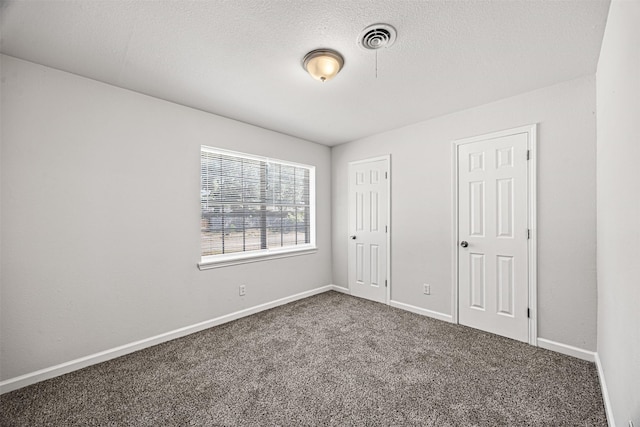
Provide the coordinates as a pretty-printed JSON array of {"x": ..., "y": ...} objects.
[{"x": 323, "y": 64}]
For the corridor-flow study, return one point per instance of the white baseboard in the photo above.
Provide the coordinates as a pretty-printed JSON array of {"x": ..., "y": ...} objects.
[
  {"x": 74, "y": 365},
  {"x": 422, "y": 311},
  {"x": 341, "y": 289},
  {"x": 569, "y": 350},
  {"x": 589, "y": 356},
  {"x": 605, "y": 393}
]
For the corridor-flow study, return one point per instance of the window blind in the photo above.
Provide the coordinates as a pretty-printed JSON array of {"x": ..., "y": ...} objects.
[{"x": 250, "y": 203}]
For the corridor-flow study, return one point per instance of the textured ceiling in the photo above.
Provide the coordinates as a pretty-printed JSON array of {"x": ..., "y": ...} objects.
[{"x": 242, "y": 59}]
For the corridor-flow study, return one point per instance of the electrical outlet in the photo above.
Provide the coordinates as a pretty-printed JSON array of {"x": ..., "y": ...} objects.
[
  {"x": 242, "y": 290},
  {"x": 427, "y": 289}
]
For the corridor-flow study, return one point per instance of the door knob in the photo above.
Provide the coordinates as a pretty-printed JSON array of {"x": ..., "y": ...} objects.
[
  {"x": 464, "y": 244},
  {"x": 353, "y": 237}
]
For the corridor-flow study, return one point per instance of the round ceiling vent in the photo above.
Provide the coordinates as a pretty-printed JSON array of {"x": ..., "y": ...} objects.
[{"x": 377, "y": 36}]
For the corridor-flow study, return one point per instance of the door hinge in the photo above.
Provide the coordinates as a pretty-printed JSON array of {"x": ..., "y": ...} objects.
[
  {"x": 528, "y": 154},
  {"x": 528, "y": 233},
  {"x": 385, "y": 283},
  {"x": 386, "y": 230},
  {"x": 386, "y": 176},
  {"x": 528, "y": 313}
]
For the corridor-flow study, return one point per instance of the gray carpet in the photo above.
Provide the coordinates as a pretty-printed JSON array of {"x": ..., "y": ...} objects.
[{"x": 331, "y": 359}]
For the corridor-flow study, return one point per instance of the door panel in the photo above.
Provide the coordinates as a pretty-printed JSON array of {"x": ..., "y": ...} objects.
[
  {"x": 368, "y": 211},
  {"x": 476, "y": 208},
  {"x": 505, "y": 285},
  {"x": 477, "y": 281},
  {"x": 492, "y": 219}
]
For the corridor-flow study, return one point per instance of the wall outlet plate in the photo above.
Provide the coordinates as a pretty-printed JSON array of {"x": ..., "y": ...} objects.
[
  {"x": 427, "y": 289},
  {"x": 242, "y": 290}
]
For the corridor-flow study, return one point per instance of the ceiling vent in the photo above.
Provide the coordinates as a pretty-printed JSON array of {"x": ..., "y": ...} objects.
[{"x": 377, "y": 36}]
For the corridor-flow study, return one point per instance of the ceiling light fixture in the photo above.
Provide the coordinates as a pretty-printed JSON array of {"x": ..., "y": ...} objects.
[{"x": 323, "y": 64}]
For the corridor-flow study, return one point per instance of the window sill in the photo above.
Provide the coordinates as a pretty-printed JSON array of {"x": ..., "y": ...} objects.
[{"x": 256, "y": 257}]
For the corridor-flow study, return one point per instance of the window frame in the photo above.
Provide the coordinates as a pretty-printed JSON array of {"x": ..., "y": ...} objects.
[{"x": 243, "y": 257}]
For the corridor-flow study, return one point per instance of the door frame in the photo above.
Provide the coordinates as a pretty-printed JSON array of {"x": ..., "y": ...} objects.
[
  {"x": 532, "y": 245},
  {"x": 387, "y": 158}
]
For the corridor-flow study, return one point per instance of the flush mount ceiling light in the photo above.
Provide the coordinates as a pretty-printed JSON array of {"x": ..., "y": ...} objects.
[{"x": 323, "y": 64}]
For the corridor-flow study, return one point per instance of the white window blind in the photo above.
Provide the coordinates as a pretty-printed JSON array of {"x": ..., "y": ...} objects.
[{"x": 254, "y": 205}]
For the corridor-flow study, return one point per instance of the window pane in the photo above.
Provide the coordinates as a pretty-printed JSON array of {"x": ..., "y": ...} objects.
[
  {"x": 252, "y": 204},
  {"x": 253, "y": 228},
  {"x": 252, "y": 181},
  {"x": 273, "y": 183},
  {"x": 210, "y": 179},
  {"x": 232, "y": 226},
  {"x": 302, "y": 227},
  {"x": 274, "y": 227},
  {"x": 288, "y": 226},
  {"x": 302, "y": 186},
  {"x": 211, "y": 239},
  {"x": 231, "y": 179},
  {"x": 287, "y": 184}
]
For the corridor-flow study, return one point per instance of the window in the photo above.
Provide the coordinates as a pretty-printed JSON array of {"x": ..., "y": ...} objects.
[{"x": 254, "y": 207}]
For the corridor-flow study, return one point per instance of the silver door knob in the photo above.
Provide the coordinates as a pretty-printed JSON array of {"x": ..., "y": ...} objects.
[
  {"x": 352, "y": 237},
  {"x": 464, "y": 244}
]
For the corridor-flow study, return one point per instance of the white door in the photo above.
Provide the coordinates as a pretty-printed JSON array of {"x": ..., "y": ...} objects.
[
  {"x": 368, "y": 226},
  {"x": 493, "y": 266}
]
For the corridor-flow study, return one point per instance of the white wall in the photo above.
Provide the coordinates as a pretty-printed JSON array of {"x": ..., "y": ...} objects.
[
  {"x": 100, "y": 218},
  {"x": 618, "y": 148},
  {"x": 421, "y": 204}
]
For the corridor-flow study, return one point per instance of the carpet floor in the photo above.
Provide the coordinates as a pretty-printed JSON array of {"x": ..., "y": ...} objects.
[{"x": 330, "y": 360}]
